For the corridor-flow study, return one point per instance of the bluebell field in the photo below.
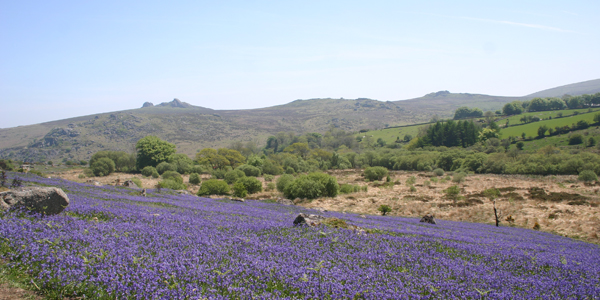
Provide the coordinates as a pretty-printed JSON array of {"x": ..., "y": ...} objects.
[{"x": 111, "y": 244}]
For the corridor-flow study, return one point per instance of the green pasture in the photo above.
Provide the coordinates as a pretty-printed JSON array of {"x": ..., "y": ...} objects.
[
  {"x": 515, "y": 119},
  {"x": 389, "y": 134},
  {"x": 530, "y": 129}
]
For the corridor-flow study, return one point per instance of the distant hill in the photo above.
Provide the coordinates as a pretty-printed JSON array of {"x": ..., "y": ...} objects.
[
  {"x": 192, "y": 128},
  {"x": 575, "y": 89}
]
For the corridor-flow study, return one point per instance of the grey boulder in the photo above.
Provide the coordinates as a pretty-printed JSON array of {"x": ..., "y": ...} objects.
[{"x": 44, "y": 200}]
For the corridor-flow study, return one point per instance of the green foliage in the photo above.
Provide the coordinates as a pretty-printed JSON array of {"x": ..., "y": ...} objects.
[
  {"x": 542, "y": 131},
  {"x": 183, "y": 164},
  {"x": 312, "y": 186},
  {"x": 213, "y": 187},
  {"x": 269, "y": 177},
  {"x": 218, "y": 174},
  {"x": 375, "y": 173},
  {"x": 450, "y": 134},
  {"x": 350, "y": 188},
  {"x": 137, "y": 182},
  {"x": 587, "y": 176},
  {"x": 151, "y": 151},
  {"x": 458, "y": 177},
  {"x": 270, "y": 186},
  {"x": 198, "y": 169},
  {"x": 164, "y": 167},
  {"x": 239, "y": 190},
  {"x": 492, "y": 193},
  {"x": 171, "y": 184},
  {"x": 384, "y": 209},
  {"x": 465, "y": 113},
  {"x": 412, "y": 189},
  {"x": 6, "y": 164},
  {"x": 148, "y": 171},
  {"x": 194, "y": 179},
  {"x": 103, "y": 166},
  {"x": 452, "y": 193},
  {"x": 575, "y": 139},
  {"x": 251, "y": 184},
  {"x": 123, "y": 161},
  {"x": 520, "y": 145},
  {"x": 172, "y": 175},
  {"x": 438, "y": 172},
  {"x": 249, "y": 170},
  {"x": 233, "y": 175},
  {"x": 512, "y": 108},
  {"x": 411, "y": 180},
  {"x": 283, "y": 181}
]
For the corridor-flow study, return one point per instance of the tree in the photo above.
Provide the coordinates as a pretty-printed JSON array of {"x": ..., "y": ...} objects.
[
  {"x": 300, "y": 149},
  {"x": 234, "y": 157},
  {"x": 210, "y": 157},
  {"x": 151, "y": 151},
  {"x": 384, "y": 209},
  {"x": 103, "y": 166},
  {"x": 492, "y": 194},
  {"x": 542, "y": 131}
]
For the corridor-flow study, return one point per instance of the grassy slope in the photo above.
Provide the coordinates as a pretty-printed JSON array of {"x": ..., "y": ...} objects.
[{"x": 530, "y": 129}]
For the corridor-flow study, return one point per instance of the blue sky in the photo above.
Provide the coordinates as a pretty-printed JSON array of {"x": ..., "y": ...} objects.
[{"x": 61, "y": 59}]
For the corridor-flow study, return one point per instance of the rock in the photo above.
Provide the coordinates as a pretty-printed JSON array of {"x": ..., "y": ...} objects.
[
  {"x": 320, "y": 209},
  {"x": 143, "y": 193},
  {"x": 44, "y": 200},
  {"x": 428, "y": 218},
  {"x": 129, "y": 183},
  {"x": 147, "y": 104},
  {"x": 308, "y": 220},
  {"x": 238, "y": 199},
  {"x": 284, "y": 201},
  {"x": 363, "y": 216}
]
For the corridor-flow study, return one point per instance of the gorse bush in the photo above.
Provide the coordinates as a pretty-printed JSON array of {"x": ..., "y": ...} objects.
[
  {"x": 148, "y": 171},
  {"x": 252, "y": 184},
  {"x": 171, "y": 184},
  {"x": 165, "y": 166},
  {"x": 213, "y": 187},
  {"x": 173, "y": 175},
  {"x": 269, "y": 177},
  {"x": 283, "y": 181},
  {"x": 312, "y": 186},
  {"x": 438, "y": 172},
  {"x": 349, "y": 188},
  {"x": 588, "y": 176},
  {"x": 375, "y": 173},
  {"x": 194, "y": 179},
  {"x": 233, "y": 175},
  {"x": 249, "y": 170},
  {"x": 239, "y": 190},
  {"x": 103, "y": 166}
]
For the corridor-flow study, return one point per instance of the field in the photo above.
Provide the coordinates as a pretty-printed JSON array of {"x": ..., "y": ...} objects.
[
  {"x": 530, "y": 129},
  {"x": 111, "y": 243}
]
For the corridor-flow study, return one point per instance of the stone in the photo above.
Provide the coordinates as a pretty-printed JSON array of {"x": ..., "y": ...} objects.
[
  {"x": 147, "y": 104},
  {"x": 284, "y": 201},
  {"x": 363, "y": 216},
  {"x": 44, "y": 200},
  {"x": 129, "y": 183},
  {"x": 238, "y": 199},
  {"x": 428, "y": 218},
  {"x": 308, "y": 220}
]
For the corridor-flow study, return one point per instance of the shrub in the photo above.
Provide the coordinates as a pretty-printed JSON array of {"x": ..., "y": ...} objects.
[
  {"x": 270, "y": 186},
  {"x": 452, "y": 193},
  {"x": 252, "y": 184},
  {"x": 283, "y": 181},
  {"x": 199, "y": 169},
  {"x": 331, "y": 187},
  {"x": 413, "y": 188},
  {"x": 194, "y": 179},
  {"x": 137, "y": 181},
  {"x": 233, "y": 175},
  {"x": 171, "y": 184},
  {"x": 239, "y": 190},
  {"x": 6, "y": 164},
  {"x": 349, "y": 188},
  {"x": 290, "y": 170},
  {"x": 249, "y": 170},
  {"x": 411, "y": 180},
  {"x": 520, "y": 145},
  {"x": 103, "y": 166},
  {"x": 458, "y": 177},
  {"x": 588, "y": 176},
  {"x": 575, "y": 139},
  {"x": 165, "y": 166},
  {"x": 438, "y": 172},
  {"x": 304, "y": 187},
  {"x": 148, "y": 171},
  {"x": 218, "y": 174},
  {"x": 384, "y": 209},
  {"x": 172, "y": 175},
  {"x": 375, "y": 173},
  {"x": 213, "y": 187},
  {"x": 269, "y": 177},
  {"x": 81, "y": 176}
]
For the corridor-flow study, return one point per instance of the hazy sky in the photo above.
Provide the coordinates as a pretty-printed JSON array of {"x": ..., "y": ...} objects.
[{"x": 61, "y": 59}]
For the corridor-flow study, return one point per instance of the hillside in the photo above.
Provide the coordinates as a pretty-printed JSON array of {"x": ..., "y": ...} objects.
[
  {"x": 575, "y": 89},
  {"x": 192, "y": 127}
]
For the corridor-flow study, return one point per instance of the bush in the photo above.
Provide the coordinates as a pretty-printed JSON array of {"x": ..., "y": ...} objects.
[
  {"x": 137, "y": 181},
  {"x": 172, "y": 175},
  {"x": 588, "y": 176},
  {"x": 252, "y": 184},
  {"x": 218, "y": 174},
  {"x": 194, "y": 179},
  {"x": 6, "y": 164},
  {"x": 575, "y": 139},
  {"x": 375, "y": 173},
  {"x": 148, "y": 171},
  {"x": 452, "y": 193},
  {"x": 103, "y": 166},
  {"x": 233, "y": 175},
  {"x": 312, "y": 186},
  {"x": 81, "y": 176},
  {"x": 213, "y": 187},
  {"x": 270, "y": 186},
  {"x": 349, "y": 188},
  {"x": 198, "y": 169},
  {"x": 165, "y": 166},
  {"x": 458, "y": 177},
  {"x": 438, "y": 172},
  {"x": 269, "y": 177},
  {"x": 239, "y": 190},
  {"x": 283, "y": 181},
  {"x": 249, "y": 170},
  {"x": 411, "y": 180},
  {"x": 384, "y": 209},
  {"x": 171, "y": 184}
]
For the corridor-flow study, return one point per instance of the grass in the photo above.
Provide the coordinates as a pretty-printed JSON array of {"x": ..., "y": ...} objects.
[{"x": 530, "y": 129}]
